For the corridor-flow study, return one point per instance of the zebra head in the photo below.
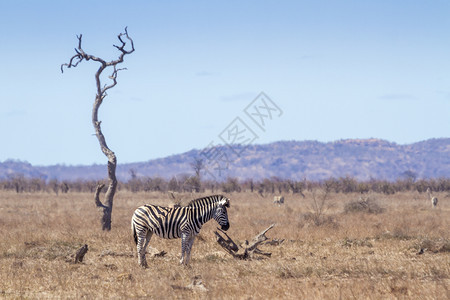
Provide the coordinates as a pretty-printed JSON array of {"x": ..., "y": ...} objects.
[{"x": 221, "y": 215}]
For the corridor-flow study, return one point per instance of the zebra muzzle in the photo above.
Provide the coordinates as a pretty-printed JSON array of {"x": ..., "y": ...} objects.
[{"x": 225, "y": 227}]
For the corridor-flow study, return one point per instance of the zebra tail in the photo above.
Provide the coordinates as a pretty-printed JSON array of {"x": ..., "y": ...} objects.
[{"x": 134, "y": 233}]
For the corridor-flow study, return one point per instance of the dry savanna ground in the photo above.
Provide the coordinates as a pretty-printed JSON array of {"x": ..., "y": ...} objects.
[{"x": 358, "y": 254}]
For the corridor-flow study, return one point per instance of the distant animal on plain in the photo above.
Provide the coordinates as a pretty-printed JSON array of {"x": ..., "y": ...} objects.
[
  {"x": 434, "y": 200},
  {"x": 278, "y": 200}
]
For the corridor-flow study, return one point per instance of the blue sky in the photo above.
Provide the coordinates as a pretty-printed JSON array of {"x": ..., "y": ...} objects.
[{"x": 337, "y": 70}]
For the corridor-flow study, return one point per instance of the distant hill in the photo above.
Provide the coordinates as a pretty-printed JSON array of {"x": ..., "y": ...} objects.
[{"x": 362, "y": 159}]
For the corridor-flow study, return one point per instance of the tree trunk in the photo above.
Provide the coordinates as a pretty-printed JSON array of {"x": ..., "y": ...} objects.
[
  {"x": 101, "y": 94},
  {"x": 112, "y": 163}
]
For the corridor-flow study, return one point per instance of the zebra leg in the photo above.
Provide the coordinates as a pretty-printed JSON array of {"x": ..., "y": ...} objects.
[
  {"x": 147, "y": 240},
  {"x": 184, "y": 240},
  {"x": 143, "y": 240},
  {"x": 189, "y": 247}
]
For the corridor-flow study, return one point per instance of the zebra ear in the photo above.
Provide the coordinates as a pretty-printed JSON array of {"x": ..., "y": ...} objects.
[{"x": 227, "y": 203}]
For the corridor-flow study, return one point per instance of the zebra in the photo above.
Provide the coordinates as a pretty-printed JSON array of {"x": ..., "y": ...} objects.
[
  {"x": 434, "y": 200},
  {"x": 278, "y": 200},
  {"x": 177, "y": 222}
]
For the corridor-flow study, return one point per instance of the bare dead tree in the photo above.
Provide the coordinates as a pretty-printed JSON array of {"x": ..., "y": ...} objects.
[
  {"x": 318, "y": 205},
  {"x": 101, "y": 94},
  {"x": 198, "y": 166}
]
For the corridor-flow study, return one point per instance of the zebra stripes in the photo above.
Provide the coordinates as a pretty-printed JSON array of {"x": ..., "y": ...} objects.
[{"x": 177, "y": 222}]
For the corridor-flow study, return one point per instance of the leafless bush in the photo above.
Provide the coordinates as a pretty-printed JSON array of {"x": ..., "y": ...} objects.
[
  {"x": 363, "y": 204},
  {"x": 318, "y": 205},
  {"x": 324, "y": 220},
  {"x": 296, "y": 187},
  {"x": 231, "y": 185},
  {"x": 434, "y": 245}
]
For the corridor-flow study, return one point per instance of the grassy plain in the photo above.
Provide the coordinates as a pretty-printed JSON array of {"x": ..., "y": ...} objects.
[{"x": 353, "y": 255}]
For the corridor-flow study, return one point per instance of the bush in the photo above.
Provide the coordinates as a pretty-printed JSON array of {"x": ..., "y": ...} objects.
[
  {"x": 322, "y": 220},
  {"x": 363, "y": 205}
]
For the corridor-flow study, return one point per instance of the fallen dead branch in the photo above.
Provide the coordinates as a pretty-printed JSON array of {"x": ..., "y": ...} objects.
[{"x": 247, "y": 250}]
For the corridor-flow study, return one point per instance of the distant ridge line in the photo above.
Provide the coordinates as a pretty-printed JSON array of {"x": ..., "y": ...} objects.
[{"x": 362, "y": 159}]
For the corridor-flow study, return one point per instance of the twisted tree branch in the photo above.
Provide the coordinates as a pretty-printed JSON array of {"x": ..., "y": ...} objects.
[{"x": 247, "y": 250}]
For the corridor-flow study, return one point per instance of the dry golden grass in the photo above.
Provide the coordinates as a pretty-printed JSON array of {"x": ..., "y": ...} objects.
[{"x": 349, "y": 256}]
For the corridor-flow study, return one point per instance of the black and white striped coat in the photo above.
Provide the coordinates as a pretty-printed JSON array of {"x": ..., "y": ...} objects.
[{"x": 177, "y": 222}]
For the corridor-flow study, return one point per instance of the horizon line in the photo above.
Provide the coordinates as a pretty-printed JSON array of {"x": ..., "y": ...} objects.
[{"x": 371, "y": 140}]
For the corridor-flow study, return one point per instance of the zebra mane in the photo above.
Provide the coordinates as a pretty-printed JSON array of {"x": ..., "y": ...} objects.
[{"x": 210, "y": 199}]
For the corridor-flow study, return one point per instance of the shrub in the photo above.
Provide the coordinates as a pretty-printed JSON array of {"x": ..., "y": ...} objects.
[{"x": 363, "y": 205}]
